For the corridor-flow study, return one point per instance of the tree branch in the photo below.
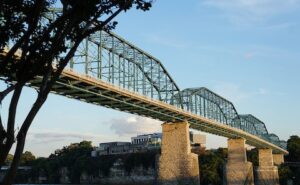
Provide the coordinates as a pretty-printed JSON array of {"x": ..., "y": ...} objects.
[
  {"x": 31, "y": 27},
  {"x": 102, "y": 24},
  {"x": 12, "y": 112},
  {"x": 2, "y": 132},
  {"x": 4, "y": 93},
  {"x": 44, "y": 94}
]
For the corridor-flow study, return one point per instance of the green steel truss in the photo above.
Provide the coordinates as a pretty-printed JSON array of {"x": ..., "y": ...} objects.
[
  {"x": 204, "y": 102},
  {"x": 255, "y": 126},
  {"x": 111, "y": 59}
]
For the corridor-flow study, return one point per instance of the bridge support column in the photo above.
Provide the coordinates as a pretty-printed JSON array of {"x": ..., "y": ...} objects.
[
  {"x": 238, "y": 170},
  {"x": 267, "y": 173},
  {"x": 278, "y": 159},
  {"x": 177, "y": 165}
]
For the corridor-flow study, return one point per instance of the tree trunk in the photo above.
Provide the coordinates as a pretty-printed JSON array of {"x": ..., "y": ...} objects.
[
  {"x": 10, "y": 175},
  {"x": 4, "y": 93},
  {"x": 5, "y": 148},
  {"x": 10, "y": 135}
]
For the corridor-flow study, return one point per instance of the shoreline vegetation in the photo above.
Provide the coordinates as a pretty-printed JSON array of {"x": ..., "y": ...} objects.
[{"x": 74, "y": 164}]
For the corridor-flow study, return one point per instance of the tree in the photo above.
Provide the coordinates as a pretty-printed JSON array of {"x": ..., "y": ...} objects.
[
  {"x": 252, "y": 156},
  {"x": 9, "y": 159},
  {"x": 285, "y": 174},
  {"x": 76, "y": 158},
  {"x": 293, "y": 147},
  {"x": 39, "y": 46},
  {"x": 211, "y": 165},
  {"x": 26, "y": 158}
]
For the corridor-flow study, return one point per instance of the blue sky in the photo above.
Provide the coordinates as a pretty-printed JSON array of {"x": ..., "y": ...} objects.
[{"x": 245, "y": 50}]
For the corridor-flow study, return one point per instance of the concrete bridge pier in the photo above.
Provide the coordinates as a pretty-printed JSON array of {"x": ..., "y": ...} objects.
[
  {"x": 177, "y": 165},
  {"x": 267, "y": 173},
  {"x": 238, "y": 170},
  {"x": 278, "y": 159}
]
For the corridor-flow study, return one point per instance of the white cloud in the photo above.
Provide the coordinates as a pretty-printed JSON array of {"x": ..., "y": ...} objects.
[
  {"x": 252, "y": 11},
  {"x": 134, "y": 125}
]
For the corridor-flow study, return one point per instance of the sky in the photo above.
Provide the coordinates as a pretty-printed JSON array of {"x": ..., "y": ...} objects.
[{"x": 248, "y": 51}]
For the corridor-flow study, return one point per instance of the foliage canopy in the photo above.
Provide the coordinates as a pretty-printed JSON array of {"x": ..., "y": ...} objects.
[{"x": 38, "y": 40}]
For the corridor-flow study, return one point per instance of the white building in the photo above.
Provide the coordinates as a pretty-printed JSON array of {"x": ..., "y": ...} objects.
[{"x": 147, "y": 139}]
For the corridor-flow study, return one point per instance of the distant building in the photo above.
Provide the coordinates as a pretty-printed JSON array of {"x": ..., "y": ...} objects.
[
  {"x": 147, "y": 139},
  {"x": 142, "y": 143},
  {"x": 111, "y": 148}
]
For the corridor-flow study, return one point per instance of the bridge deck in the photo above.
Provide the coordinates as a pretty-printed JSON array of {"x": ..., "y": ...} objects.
[{"x": 92, "y": 90}]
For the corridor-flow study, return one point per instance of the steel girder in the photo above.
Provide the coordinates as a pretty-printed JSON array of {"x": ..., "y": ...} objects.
[
  {"x": 110, "y": 58},
  {"x": 283, "y": 144},
  {"x": 255, "y": 126},
  {"x": 204, "y": 102}
]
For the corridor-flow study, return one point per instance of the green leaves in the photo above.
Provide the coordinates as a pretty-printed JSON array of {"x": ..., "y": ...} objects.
[
  {"x": 211, "y": 166},
  {"x": 26, "y": 158},
  {"x": 44, "y": 34},
  {"x": 293, "y": 147}
]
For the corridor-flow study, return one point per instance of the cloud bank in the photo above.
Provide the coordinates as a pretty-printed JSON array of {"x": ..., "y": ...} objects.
[
  {"x": 47, "y": 136},
  {"x": 134, "y": 125}
]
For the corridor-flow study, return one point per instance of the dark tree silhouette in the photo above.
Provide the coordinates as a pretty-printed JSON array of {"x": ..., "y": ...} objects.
[{"x": 29, "y": 45}]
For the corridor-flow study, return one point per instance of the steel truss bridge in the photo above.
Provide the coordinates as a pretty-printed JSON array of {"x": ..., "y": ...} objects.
[{"x": 109, "y": 71}]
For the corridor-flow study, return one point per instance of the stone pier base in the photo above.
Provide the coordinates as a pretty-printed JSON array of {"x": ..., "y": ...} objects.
[
  {"x": 278, "y": 159},
  {"x": 267, "y": 173},
  {"x": 238, "y": 170},
  {"x": 177, "y": 165}
]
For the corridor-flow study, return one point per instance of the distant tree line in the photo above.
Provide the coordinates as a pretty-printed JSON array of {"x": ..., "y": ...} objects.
[{"x": 77, "y": 159}]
